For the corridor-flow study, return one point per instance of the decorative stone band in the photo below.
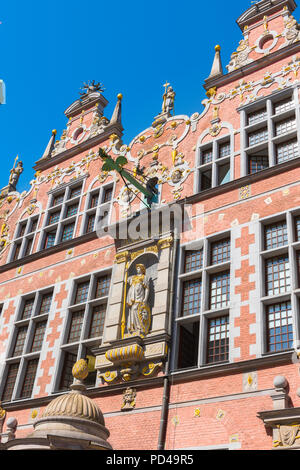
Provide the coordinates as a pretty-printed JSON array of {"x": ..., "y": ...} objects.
[{"x": 133, "y": 352}]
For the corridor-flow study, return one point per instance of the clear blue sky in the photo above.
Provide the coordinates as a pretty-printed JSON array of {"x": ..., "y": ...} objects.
[{"x": 48, "y": 49}]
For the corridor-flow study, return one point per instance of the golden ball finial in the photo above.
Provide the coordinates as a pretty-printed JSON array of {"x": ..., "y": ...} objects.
[
  {"x": 80, "y": 370},
  {"x": 217, "y": 48},
  {"x": 54, "y": 132},
  {"x": 120, "y": 96}
]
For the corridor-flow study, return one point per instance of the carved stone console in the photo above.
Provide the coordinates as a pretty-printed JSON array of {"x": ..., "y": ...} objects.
[{"x": 135, "y": 340}]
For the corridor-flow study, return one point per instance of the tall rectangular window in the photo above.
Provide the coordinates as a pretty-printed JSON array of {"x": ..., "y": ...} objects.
[
  {"x": 66, "y": 376},
  {"x": 278, "y": 279},
  {"x": 38, "y": 338},
  {"x": 29, "y": 378},
  {"x": 20, "y": 341},
  {"x": 102, "y": 286},
  {"x": 82, "y": 292},
  {"x": 10, "y": 382},
  {"x": 191, "y": 301},
  {"x": 97, "y": 321},
  {"x": 218, "y": 339},
  {"x": 67, "y": 233},
  {"x": 27, "y": 310},
  {"x": 75, "y": 327},
  {"x": 279, "y": 327},
  {"x": 220, "y": 290}
]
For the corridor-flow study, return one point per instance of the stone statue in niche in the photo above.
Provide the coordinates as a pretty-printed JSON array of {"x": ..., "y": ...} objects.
[{"x": 139, "y": 316}]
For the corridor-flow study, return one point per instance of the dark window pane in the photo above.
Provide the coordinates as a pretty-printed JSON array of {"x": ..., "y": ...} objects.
[
  {"x": 27, "y": 309},
  {"x": 188, "y": 345},
  {"x": 66, "y": 376},
  {"x": 97, "y": 322},
  {"x": 29, "y": 378},
  {"x": 46, "y": 303},
  {"x": 10, "y": 382},
  {"x": 102, "y": 286},
  {"x": 40, "y": 329},
  {"x": 20, "y": 341},
  {"x": 76, "y": 326}
]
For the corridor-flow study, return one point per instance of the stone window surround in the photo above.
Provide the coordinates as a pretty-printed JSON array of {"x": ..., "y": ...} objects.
[
  {"x": 25, "y": 238},
  {"x": 216, "y": 162},
  {"x": 26, "y": 355},
  {"x": 271, "y": 120},
  {"x": 81, "y": 346},
  {"x": 204, "y": 315},
  {"x": 293, "y": 295}
]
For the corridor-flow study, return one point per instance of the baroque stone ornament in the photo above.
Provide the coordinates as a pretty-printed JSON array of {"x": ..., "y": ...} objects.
[
  {"x": 287, "y": 435},
  {"x": 129, "y": 396}
]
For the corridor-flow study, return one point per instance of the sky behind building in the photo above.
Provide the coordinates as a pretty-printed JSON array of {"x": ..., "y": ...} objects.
[{"x": 50, "y": 48}]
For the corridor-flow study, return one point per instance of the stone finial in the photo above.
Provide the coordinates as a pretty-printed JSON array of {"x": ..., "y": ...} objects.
[
  {"x": 280, "y": 396},
  {"x": 12, "y": 425},
  {"x": 116, "y": 116},
  {"x": 217, "y": 68},
  {"x": 50, "y": 147}
]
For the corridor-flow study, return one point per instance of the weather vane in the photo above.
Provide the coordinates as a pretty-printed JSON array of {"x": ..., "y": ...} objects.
[{"x": 90, "y": 87}]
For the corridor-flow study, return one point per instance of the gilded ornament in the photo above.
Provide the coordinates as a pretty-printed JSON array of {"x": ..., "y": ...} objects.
[
  {"x": 80, "y": 370},
  {"x": 129, "y": 396}
]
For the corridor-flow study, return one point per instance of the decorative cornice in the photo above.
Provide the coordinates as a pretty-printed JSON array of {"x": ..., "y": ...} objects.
[
  {"x": 46, "y": 163},
  {"x": 248, "y": 69}
]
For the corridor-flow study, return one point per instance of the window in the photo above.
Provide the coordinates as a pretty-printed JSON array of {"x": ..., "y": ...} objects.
[
  {"x": 191, "y": 297},
  {"x": 203, "y": 309},
  {"x": 193, "y": 260},
  {"x": 276, "y": 235},
  {"x": 85, "y": 324},
  {"x": 66, "y": 376},
  {"x": 257, "y": 116},
  {"x": 257, "y": 163},
  {"x": 258, "y": 136},
  {"x": 284, "y": 105},
  {"x": 270, "y": 132},
  {"x": 285, "y": 126},
  {"x": 24, "y": 239},
  {"x": 27, "y": 341},
  {"x": 214, "y": 163},
  {"x": 62, "y": 216},
  {"x": 280, "y": 292},
  {"x": 218, "y": 339},
  {"x": 220, "y": 251},
  {"x": 67, "y": 233},
  {"x": 29, "y": 378},
  {"x": 279, "y": 327},
  {"x": 287, "y": 151},
  {"x": 278, "y": 278},
  {"x": 99, "y": 203},
  {"x": 297, "y": 228},
  {"x": 219, "y": 290}
]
